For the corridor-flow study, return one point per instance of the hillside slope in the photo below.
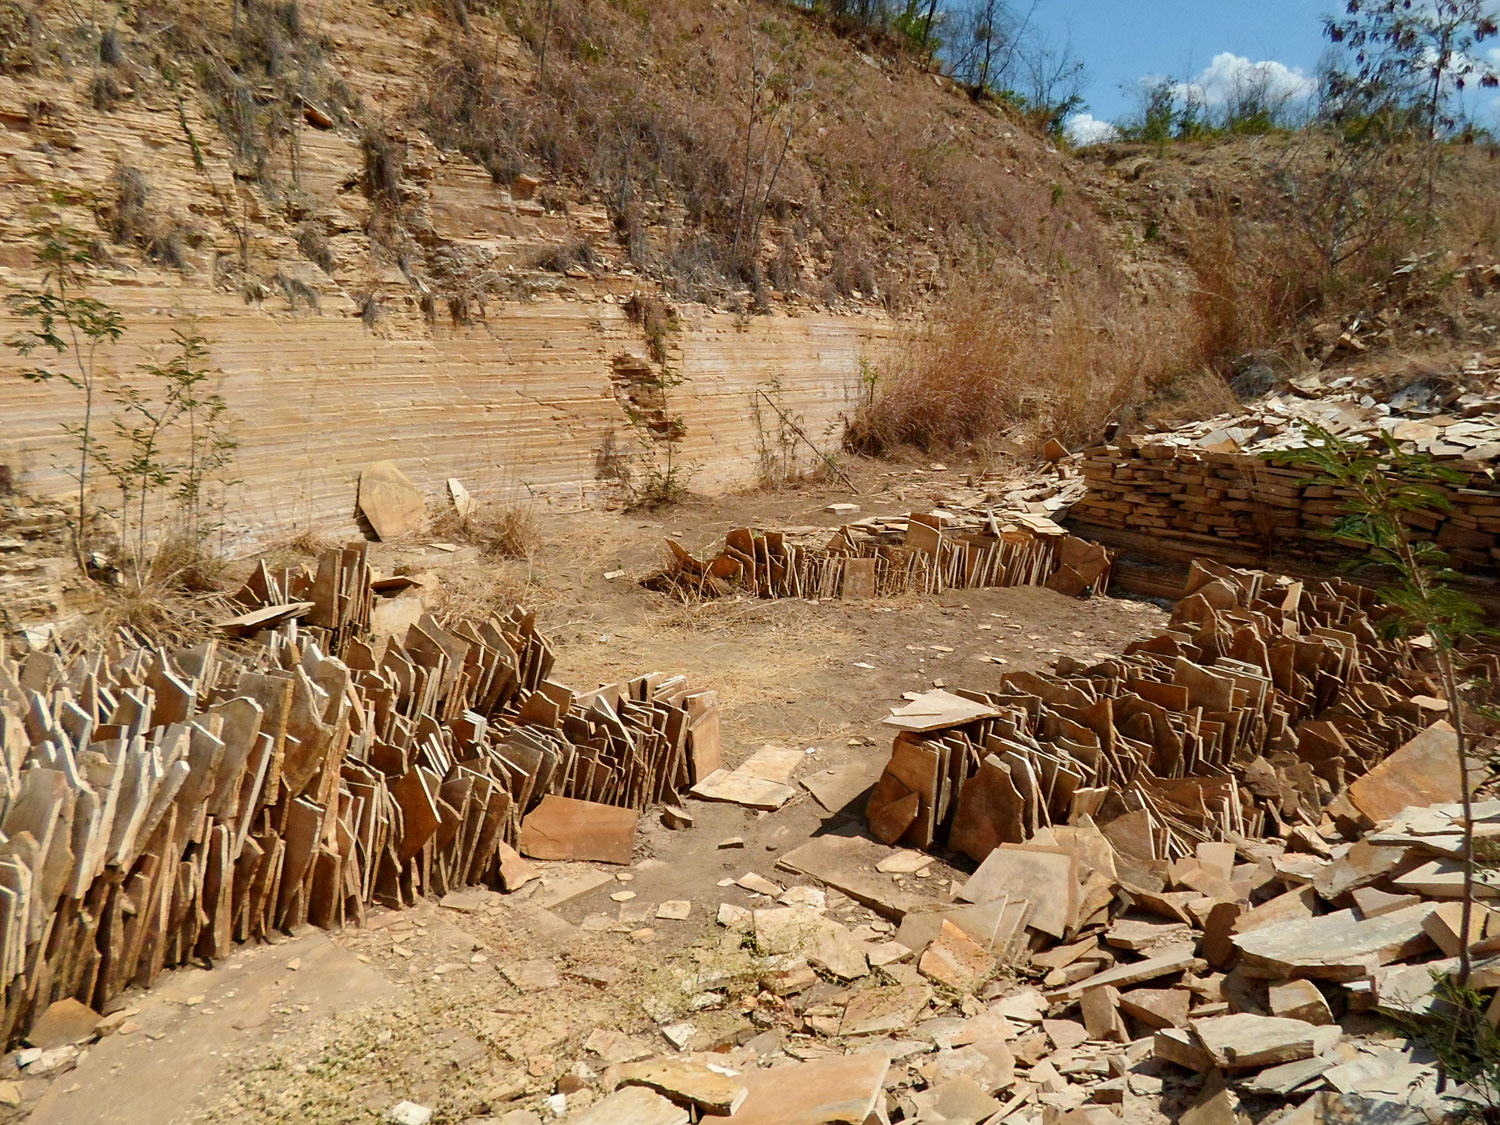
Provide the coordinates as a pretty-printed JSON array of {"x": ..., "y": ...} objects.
[{"x": 292, "y": 186}]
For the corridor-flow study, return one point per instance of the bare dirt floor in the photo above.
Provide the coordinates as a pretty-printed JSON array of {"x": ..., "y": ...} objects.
[{"x": 483, "y": 1005}]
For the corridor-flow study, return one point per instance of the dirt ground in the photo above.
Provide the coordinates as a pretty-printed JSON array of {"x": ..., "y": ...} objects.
[{"x": 454, "y": 1006}]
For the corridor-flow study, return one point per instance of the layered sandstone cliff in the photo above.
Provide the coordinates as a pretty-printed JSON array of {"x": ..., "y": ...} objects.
[{"x": 352, "y": 326}]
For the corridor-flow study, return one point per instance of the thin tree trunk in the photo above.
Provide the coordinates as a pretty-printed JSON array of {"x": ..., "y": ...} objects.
[
  {"x": 86, "y": 381},
  {"x": 927, "y": 27},
  {"x": 1455, "y": 712}
]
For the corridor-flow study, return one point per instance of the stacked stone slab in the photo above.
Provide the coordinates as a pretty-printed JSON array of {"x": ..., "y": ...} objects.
[
  {"x": 1257, "y": 707},
  {"x": 158, "y": 805},
  {"x": 878, "y": 557},
  {"x": 1212, "y": 484}
]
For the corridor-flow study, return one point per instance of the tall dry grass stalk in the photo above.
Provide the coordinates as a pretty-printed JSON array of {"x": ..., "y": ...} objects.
[{"x": 1026, "y": 359}]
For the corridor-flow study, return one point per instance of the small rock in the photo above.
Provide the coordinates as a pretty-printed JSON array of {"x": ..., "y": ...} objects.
[
  {"x": 759, "y": 884},
  {"x": 904, "y": 862},
  {"x": 804, "y": 896},
  {"x": 408, "y": 1113},
  {"x": 55, "y": 1061},
  {"x": 676, "y": 910},
  {"x": 679, "y": 1034}
]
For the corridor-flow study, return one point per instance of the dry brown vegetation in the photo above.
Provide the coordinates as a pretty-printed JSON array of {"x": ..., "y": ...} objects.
[
  {"x": 1273, "y": 256},
  {"x": 500, "y": 530},
  {"x": 844, "y": 174},
  {"x": 1032, "y": 361}
]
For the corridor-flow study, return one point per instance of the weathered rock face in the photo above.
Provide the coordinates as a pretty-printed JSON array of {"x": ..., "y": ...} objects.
[
  {"x": 519, "y": 386},
  {"x": 524, "y": 403}
]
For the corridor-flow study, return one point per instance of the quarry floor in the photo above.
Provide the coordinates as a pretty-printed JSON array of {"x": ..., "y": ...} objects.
[{"x": 416, "y": 1005}]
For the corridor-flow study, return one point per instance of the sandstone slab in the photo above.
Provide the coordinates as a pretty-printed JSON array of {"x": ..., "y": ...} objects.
[
  {"x": 688, "y": 1083},
  {"x": 388, "y": 499},
  {"x": 1337, "y": 947},
  {"x": 879, "y": 1011},
  {"x": 565, "y": 828},
  {"x": 955, "y": 960},
  {"x": 632, "y": 1105},
  {"x": 64, "y": 1023},
  {"x": 832, "y": 1091},
  {"x": 1300, "y": 1000},
  {"x": 1244, "y": 1041},
  {"x": 1422, "y": 772}
]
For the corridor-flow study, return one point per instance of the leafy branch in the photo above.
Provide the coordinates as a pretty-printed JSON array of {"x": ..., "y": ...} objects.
[
  {"x": 65, "y": 321},
  {"x": 1380, "y": 485}
]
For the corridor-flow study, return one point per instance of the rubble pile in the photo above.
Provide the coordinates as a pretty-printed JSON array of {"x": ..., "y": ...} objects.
[
  {"x": 157, "y": 805},
  {"x": 877, "y": 557},
  {"x": 1069, "y": 980},
  {"x": 1208, "y": 484},
  {"x": 1258, "y": 704}
]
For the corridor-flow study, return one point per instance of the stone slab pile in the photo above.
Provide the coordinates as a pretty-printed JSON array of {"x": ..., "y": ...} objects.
[
  {"x": 1250, "y": 977},
  {"x": 1210, "y": 485},
  {"x": 1252, "y": 712},
  {"x": 158, "y": 805},
  {"x": 876, "y": 557}
]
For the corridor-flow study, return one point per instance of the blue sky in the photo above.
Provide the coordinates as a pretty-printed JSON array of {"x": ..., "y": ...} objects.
[{"x": 1120, "y": 42}]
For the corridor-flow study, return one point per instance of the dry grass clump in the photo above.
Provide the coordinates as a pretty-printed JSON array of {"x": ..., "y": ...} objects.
[
  {"x": 476, "y": 592},
  {"x": 131, "y": 220},
  {"x": 1196, "y": 394},
  {"x": 500, "y": 531},
  {"x": 1026, "y": 359},
  {"x": 187, "y": 563},
  {"x": 158, "y": 611}
]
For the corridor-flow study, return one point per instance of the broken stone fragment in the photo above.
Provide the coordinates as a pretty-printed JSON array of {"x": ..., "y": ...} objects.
[
  {"x": 1244, "y": 1041},
  {"x": 1180, "y": 1046},
  {"x": 676, "y": 818},
  {"x": 1165, "y": 962},
  {"x": 1424, "y": 771},
  {"x": 1300, "y": 1000},
  {"x": 1157, "y": 1008},
  {"x": 957, "y": 1099},
  {"x": 687, "y": 1083},
  {"x": 632, "y": 1105},
  {"x": 955, "y": 960},
  {"x": 882, "y": 1010},
  {"x": 1137, "y": 934},
  {"x": 831, "y": 1091},
  {"x": 1361, "y": 865},
  {"x": 1337, "y": 947}
]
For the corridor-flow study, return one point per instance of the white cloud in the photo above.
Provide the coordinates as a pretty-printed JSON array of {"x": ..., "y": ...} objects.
[
  {"x": 1229, "y": 77},
  {"x": 1086, "y": 129}
]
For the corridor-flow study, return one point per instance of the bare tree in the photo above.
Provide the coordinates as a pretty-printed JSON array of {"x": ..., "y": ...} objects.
[
  {"x": 1406, "y": 66},
  {"x": 775, "y": 90},
  {"x": 1052, "y": 80}
]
